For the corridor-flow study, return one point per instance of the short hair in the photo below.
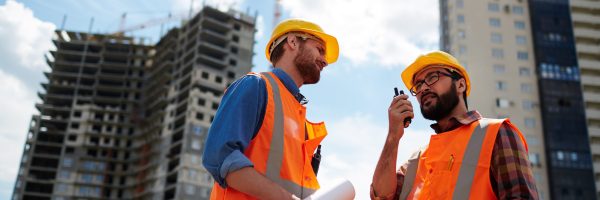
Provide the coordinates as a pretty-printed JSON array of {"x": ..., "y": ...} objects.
[{"x": 457, "y": 76}]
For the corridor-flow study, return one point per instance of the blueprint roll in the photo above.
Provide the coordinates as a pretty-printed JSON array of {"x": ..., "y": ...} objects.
[{"x": 341, "y": 191}]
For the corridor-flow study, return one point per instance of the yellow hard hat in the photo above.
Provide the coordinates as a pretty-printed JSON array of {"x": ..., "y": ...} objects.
[
  {"x": 433, "y": 58},
  {"x": 299, "y": 25}
]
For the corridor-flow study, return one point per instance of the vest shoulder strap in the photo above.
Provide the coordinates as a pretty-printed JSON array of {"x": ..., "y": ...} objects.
[
  {"x": 462, "y": 189},
  {"x": 411, "y": 173}
]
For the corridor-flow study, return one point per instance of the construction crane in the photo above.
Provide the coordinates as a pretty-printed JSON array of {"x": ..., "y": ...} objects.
[
  {"x": 277, "y": 13},
  {"x": 149, "y": 23}
]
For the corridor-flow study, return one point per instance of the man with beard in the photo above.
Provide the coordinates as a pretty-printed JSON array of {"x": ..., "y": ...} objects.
[
  {"x": 469, "y": 157},
  {"x": 260, "y": 145}
]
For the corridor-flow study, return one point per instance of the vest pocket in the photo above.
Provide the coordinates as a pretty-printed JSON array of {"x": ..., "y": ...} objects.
[{"x": 440, "y": 176}]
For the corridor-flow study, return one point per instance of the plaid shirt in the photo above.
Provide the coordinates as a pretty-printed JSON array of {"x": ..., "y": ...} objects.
[{"x": 510, "y": 169}]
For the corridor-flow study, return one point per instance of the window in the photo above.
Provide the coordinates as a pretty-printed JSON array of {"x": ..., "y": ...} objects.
[
  {"x": 192, "y": 174},
  {"x": 460, "y": 4},
  {"x": 62, "y": 188},
  {"x": 199, "y": 116},
  {"x": 497, "y": 53},
  {"x": 560, "y": 155},
  {"x": 526, "y": 87},
  {"x": 462, "y": 49},
  {"x": 520, "y": 25},
  {"x": 201, "y": 102},
  {"x": 205, "y": 75},
  {"x": 530, "y": 122},
  {"x": 493, "y": 7},
  {"x": 500, "y": 85},
  {"x": 462, "y": 34},
  {"x": 524, "y": 71},
  {"x": 496, "y": 38},
  {"x": 196, "y": 145},
  {"x": 215, "y": 106},
  {"x": 502, "y": 103},
  {"x": 67, "y": 162},
  {"x": 219, "y": 79},
  {"x": 63, "y": 174},
  {"x": 499, "y": 69},
  {"x": 93, "y": 166},
  {"x": 534, "y": 158},
  {"x": 494, "y": 22},
  {"x": 531, "y": 140},
  {"x": 190, "y": 189},
  {"x": 460, "y": 19},
  {"x": 521, "y": 55},
  {"x": 574, "y": 156},
  {"x": 197, "y": 130},
  {"x": 196, "y": 159},
  {"x": 517, "y": 10},
  {"x": 235, "y": 38},
  {"x": 521, "y": 40},
  {"x": 86, "y": 178},
  {"x": 527, "y": 105}
]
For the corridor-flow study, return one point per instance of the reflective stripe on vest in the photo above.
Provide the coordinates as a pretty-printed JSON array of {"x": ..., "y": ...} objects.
[
  {"x": 275, "y": 159},
  {"x": 462, "y": 190},
  {"x": 470, "y": 159},
  {"x": 413, "y": 165}
]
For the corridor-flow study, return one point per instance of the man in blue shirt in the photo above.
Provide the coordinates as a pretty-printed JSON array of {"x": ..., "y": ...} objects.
[{"x": 298, "y": 50}]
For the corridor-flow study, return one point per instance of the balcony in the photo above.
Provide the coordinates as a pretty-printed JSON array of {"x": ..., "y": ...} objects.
[
  {"x": 589, "y": 64},
  {"x": 211, "y": 62},
  {"x": 215, "y": 25},
  {"x": 588, "y": 48},
  {"x": 586, "y": 32},
  {"x": 586, "y": 5},
  {"x": 587, "y": 18}
]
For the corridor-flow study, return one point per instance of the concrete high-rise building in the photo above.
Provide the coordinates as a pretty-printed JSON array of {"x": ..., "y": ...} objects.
[
  {"x": 586, "y": 24},
  {"x": 521, "y": 60},
  {"x": 124, "y": 120}
]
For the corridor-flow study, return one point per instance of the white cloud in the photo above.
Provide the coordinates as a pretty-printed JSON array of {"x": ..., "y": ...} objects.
[
  {"x": 260, "y": 26},
  {"x": 389, "y": 32},
  {"x": 352, "y": 148},
  {"x": 17, "y": 107},
  {"x": 24, "y": 38}
]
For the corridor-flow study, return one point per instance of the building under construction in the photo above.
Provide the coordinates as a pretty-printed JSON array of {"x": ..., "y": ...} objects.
[{"x": 124, "y": 120}]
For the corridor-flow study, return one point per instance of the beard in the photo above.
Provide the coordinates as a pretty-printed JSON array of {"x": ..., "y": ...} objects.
[
  {"x": 307, "y": 66},
  {"x": 444, "y": 105}
]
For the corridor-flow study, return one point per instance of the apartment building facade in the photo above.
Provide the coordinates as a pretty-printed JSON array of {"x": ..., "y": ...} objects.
[
  {"x": 520, "y": 60},
  {"x": 123, "y": 120},
  {"x": 586, "y": 27}
]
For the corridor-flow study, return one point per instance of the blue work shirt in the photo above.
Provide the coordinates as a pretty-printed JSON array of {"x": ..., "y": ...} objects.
[{"x": 236, "y": 122}]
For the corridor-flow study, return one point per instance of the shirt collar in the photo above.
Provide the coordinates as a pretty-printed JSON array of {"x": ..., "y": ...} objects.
[
  {"x": 289, "y": 83},
  {"x": 455, "y": 122}
]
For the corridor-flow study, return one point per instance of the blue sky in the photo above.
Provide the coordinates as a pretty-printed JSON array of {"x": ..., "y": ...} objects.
[{"x": 378, "y": 38}]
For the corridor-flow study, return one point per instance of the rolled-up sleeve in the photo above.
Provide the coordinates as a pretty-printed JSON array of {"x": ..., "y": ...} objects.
[{"x": 236, "y": 122}]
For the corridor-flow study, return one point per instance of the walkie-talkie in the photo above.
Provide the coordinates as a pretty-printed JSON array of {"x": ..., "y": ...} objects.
[{"x": 408, "y": 119}]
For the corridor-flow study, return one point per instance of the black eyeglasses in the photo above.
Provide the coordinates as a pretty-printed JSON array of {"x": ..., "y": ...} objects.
[{"x": 429, "y": 81}]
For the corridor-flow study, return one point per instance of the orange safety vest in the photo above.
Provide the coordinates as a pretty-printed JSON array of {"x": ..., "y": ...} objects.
[
  {"x": 456, "y": 164},
  {"x": 283, "y": 148}
]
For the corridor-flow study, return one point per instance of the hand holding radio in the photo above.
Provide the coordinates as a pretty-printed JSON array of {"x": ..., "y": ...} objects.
[{"x": 400, "y": 111}]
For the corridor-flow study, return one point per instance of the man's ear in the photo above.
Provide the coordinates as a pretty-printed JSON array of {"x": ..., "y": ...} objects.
[
  {"x": 292, "y": 42},
  {"x": 462, "y": 85}
]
